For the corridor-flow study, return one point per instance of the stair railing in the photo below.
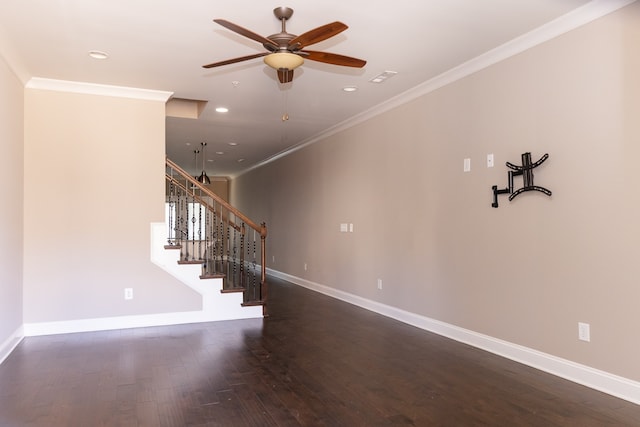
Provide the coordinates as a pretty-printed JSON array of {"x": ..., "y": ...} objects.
[{"x": 209, "y": 231}]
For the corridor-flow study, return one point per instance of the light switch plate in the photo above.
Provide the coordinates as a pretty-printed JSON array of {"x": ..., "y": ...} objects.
[{"x": 489, "y": 160}]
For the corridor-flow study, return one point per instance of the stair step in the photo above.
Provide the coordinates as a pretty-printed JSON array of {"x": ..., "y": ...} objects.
[
  {"x": 213, "y": 276},
  {"x": 252, "y": 303},
  {"x": 227, "y": 287},
  {"x": 232, "y": 290}
]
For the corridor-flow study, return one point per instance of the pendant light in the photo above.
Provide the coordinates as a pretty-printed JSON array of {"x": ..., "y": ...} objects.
[
  {"x": 195, "y": 163},
  {"x": 203, "y": 178}
]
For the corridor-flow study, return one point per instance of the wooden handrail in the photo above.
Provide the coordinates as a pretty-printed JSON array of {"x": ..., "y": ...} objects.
[{"x": 262, "y": 229}]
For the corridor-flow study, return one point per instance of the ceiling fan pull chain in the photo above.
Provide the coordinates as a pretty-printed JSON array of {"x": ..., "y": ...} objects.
[{"x": 285, "y": 113}]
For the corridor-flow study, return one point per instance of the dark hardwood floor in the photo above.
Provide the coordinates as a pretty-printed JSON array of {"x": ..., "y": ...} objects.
[{"x": 315, "y": 362}]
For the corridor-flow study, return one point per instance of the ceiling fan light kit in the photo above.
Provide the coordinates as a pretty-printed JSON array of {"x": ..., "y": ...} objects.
[
  {"x": 283, "y": 60},
  {"x": 284, "y": 50}
]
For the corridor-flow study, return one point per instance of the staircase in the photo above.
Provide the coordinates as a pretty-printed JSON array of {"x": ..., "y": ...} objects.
[{"x": 212, "y": 247}]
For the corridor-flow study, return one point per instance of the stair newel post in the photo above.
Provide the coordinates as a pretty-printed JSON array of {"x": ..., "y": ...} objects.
[
  {"x": 263, "y": 268},
  {"x": 251, "y": 275},
  {"x": 211, "y": 247}
]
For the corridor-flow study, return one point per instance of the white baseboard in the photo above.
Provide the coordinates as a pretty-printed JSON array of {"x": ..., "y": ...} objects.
[
  {"x": 605, "y": 382},
  {"x": 126, "y": 322},
  {"x": 216, "y": 306},
  {"x": 11, "y": 343}
]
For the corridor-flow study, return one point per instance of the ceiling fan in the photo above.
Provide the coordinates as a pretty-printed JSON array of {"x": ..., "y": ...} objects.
[{"x": 285, "y": 51}]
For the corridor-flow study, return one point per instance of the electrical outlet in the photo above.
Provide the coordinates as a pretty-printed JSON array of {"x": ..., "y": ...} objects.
[
  {"x": 379, "y": 284},
  {"x": 305, "y": 266},
  {"x": 584, "y": 332},
  {"x": 273, "y": 258},
  {"x": 128, "y": 293},
  {"x": 467, "y": 165}
]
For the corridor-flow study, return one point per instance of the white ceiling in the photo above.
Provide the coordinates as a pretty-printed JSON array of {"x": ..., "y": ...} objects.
[{"x": 162, "y": 45}]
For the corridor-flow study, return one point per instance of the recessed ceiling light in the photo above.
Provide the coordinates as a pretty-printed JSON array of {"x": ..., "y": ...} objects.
[
  {"x": 240, "y": 160},
  {"x": 220, "y": 152},
  {"x": 383, "y": 76},
  {"x": 350, "y": 88},
  {"x": 222, "y": 110},
  {"x": 233, "y": 144},
  {"x": 96, "y": 54}
]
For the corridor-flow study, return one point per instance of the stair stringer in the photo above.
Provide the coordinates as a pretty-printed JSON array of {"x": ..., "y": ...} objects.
[{"x": 215, "y": 304}]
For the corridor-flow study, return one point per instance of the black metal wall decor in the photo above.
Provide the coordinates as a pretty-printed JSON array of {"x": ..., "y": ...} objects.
[{"x": 526, "y": 170}]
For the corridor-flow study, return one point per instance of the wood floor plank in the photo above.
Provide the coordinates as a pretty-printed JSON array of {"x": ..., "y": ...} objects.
[{"x": 314, "y": 362}]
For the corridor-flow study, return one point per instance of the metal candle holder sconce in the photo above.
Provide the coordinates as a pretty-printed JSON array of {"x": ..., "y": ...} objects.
[{"x": 526, "y": 170}]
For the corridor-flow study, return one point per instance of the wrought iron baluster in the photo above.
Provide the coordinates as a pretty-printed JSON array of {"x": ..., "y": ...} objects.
[
  {"x": 241, "y": 278},
  {"x": 221, "y": 236},
  {"x": 213, "y": 227},
  {"x": 170, "y": 215},
  {"x": 193, "y": 228},
  {"x": 234, "y": 257},
  {"x": 228, "y": 242},
  {"x": 253, "y": 275},
  {"x": 200, "y": 254},
  {"x": 184, "y": 228},
  {"x": 207, "y": 240}
]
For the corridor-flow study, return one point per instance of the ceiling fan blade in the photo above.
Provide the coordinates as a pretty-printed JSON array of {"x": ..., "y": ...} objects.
[
  {"x": 285, "y": 75},
  {"x": 247, "y": 33},
  {"x": 333, "y": 58},
  {"x": 317, "y": 35},
  {"x": 234, "y": 60}
]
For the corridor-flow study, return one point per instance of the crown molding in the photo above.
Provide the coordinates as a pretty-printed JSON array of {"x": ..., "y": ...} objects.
[
  {"x": 577, "y": 18},
  {"x": 97, "y": 89}
]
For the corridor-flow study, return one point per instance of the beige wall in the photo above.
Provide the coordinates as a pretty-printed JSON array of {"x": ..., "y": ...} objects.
[
  {"x": 220, "y": 186},
  {"x": 526, "y": 272},
  {"x": 93, "y": 184},
  {"x": 11, "y": 166}
]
